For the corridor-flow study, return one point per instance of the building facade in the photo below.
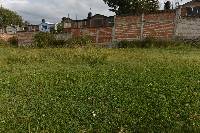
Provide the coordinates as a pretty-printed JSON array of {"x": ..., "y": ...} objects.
[
  {"x": 46, "y": 26},
  {"x": 91, "y": 22}
]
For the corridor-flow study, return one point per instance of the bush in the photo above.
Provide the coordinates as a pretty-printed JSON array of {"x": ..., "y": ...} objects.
[
  {"x": 43, "y": 40},
  {"x": 2, "y": 41},
  {"x": 59, "y": 43},
  {"x": 148, "y": 43},
  {"x": 79, "y": 41},
  {"x": 93, "y": 57},
  {"x": 13, "y": 41}
]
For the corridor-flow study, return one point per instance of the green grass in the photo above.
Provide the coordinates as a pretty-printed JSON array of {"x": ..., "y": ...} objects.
[{"x": 99, "y": 90}]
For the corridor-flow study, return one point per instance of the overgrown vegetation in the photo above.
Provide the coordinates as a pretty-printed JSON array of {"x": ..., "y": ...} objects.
[
  {"x": 8, "y": 17},
  {"x": 43, "y": 40},
  {"x": 99, "y": 90},
  {"x": 154, "y": 43},
  {"x": 13, "y": 41},
  {"x": 133, "y": 7},
  {"x": 79, "y": 41}
]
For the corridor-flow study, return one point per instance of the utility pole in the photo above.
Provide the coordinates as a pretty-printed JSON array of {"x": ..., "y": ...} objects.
[
  {"x": 1, "y": 2},
  {"x": 1, "y": 19}
]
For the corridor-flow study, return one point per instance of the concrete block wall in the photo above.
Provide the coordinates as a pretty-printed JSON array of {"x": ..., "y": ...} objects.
[{"x": 188, "y": 28}]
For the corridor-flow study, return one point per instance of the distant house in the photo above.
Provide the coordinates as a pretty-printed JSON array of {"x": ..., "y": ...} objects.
[
  {"x": 91, "y": 22},
  {"x": 1, "y": 30},
  {"x": 46, "y": 26},
  {"x": 32, "y": 28},
  {"x": 11, "y": 30},
  {"x": 190, "y": 9}
]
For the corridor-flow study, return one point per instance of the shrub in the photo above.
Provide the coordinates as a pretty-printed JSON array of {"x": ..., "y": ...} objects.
[
  {"x": 43, "y": 40},
  {"x": 93, "y": 57},
  {"x": 59, "y": 43},
  {"x": 79, "y": 41},
  {"x": 148, "y": 43},
  {"x": 2, "y": 41},
  {"x": 13, "y": 41},
  {"x": 123, "y": 44}
]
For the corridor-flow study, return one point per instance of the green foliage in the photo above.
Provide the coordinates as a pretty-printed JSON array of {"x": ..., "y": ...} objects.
[
  {"x": 167, "y": 5},
  {"x": 8, "y": 17},
  {"x": 79, "y": 41},
  {"x": 93, "y": 57},
  {"x": 60, "y": 27},
  {"x": 43, "y": 40},
  {"x": 2, "y": 42},
  {"x": 150, "y": 43},
  {"x": 13, "y": 41},
  {"x": 133, "y": 7},
  {"x": 133, "y": 90}
]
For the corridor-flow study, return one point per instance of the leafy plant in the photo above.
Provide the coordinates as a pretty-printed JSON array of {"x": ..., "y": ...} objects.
[
  {"x": 13, "y": 41},
  {"x": 43, "y": 40},
  {"x": 99, "y": 90},
  {"x": 150, "y": 43},
  {"x": 8, "y": 17},
  {"x": 79, "y": 41}
]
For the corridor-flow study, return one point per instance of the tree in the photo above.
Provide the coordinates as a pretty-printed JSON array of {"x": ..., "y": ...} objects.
[
  {"x": 8, "y": 17},
  {"x": 133, "y": 7},
  {"x": 60, "y": 27},
  {"x": 167, "y": 5}
]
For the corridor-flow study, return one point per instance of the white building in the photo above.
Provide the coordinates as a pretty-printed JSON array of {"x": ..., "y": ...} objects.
[
  {"x": 11, "y": 30},
  {"x": 46, "y": 26}
]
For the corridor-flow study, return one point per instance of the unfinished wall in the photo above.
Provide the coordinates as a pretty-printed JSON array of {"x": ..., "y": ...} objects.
[
  {"x": 99, "y": 35},
  {"x": 159, "y": 25},
  {"x": 25, "y": 38},
  {"x": 127, "y": 27},
  {"x": 5, "y": 37},
  {"x": 188, "y": 28}
]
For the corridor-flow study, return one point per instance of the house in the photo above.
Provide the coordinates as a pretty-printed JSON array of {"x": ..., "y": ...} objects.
[
  {"x": 190, "y": 9},
  {"x": 1, "y": 30},
  {"x": 91, "y": 22},
  {"x": 11, "y": 30},
  {"x": 101, "y": 21},
  {"x": 46, "y": 26},
  {"x": 32, "y": 28}
]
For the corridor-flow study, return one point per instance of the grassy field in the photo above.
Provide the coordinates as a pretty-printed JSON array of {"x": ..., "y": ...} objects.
[{"x": 99, "y": 90}]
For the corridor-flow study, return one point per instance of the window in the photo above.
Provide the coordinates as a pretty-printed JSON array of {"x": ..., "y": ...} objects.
[{"x": 189, "y": 11}]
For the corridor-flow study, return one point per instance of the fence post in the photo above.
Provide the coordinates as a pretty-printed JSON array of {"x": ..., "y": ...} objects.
[
  {"x": 113, "y": 29},
  {"x": 97, "y": 35},
  {"x": 176, "y": 21},
  {"x": 142, "y": 27}
]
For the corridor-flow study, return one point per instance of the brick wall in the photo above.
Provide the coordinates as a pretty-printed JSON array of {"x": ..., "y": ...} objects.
[
  {"x": 159, "y": 25},
  {"x": 25, "y": 38},
  {"x": 127, "y": 27},
  {"x": 5, "y": 37},
  {"x": 98, "y": 35}
]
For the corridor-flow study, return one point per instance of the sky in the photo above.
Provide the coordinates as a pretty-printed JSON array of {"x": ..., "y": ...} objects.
[{"x": 53, "y": 10}]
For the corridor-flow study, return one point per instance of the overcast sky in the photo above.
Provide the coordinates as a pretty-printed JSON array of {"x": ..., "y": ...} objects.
[{"x": 53, "y": 10}]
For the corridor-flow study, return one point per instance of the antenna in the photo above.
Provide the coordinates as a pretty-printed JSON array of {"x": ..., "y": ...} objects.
[
  {"x": 76, "y": 21},
  {"x": 1, "y": 1}
]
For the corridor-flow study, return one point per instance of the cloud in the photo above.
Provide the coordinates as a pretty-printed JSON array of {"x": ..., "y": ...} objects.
[{"x": 53, "y": 10}]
